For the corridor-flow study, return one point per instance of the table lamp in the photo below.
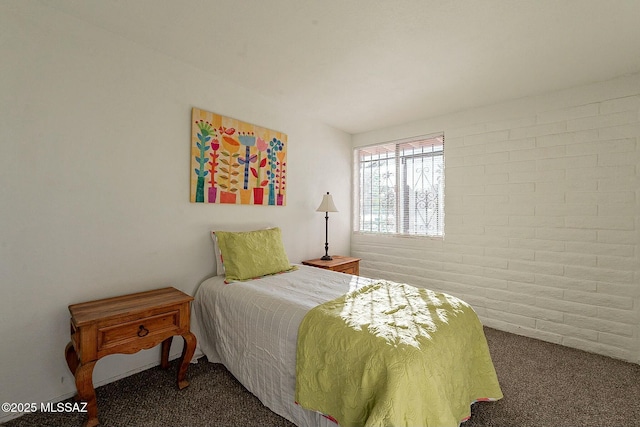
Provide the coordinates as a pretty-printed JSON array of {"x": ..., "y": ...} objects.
[{"x": 326, "y": 206}]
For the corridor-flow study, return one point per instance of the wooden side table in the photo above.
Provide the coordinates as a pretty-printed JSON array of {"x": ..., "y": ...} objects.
[
  {"x": 342, "y": 264},
  {"x": 126, "y": 324}
]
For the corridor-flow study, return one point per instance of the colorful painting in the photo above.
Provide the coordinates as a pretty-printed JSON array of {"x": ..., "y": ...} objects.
[{"x": 235, "y": 162}]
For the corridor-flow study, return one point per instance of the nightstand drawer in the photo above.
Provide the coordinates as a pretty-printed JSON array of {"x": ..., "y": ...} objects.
[
  {"x": 341, "y": 264},
  {"x": 348, "y": 269},
  {"x": 150, "y": 329}
]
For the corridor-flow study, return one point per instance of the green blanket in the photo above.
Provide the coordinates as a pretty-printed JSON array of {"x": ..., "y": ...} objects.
[{"x": 390, "y": 354}]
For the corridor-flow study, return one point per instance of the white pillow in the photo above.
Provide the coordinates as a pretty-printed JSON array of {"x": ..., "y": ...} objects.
[{"x": 218, "y": 255}]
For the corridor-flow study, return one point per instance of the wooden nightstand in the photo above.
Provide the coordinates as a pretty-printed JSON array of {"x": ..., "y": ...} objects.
[
  {"x": 342, "y": 264},
  {"x": 126, "y": 324}
]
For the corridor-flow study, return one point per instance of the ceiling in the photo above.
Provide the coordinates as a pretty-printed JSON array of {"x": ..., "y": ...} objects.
[{"x": 360, "y": 65}]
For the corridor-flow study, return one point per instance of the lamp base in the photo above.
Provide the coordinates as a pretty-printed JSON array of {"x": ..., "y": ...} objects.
[{"x": 326, "y": 258}]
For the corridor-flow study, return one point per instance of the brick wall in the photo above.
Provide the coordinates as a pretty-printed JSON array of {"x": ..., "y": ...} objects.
[{"x": 542, "y": 229}]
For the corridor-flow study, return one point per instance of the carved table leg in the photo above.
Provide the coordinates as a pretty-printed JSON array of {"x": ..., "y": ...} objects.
[
  {"x": 86, "y": 392},
  {"x": 72, "y": 357},
  {"x": 187, "y": 353},
  {"x": 166, "y": 347}
]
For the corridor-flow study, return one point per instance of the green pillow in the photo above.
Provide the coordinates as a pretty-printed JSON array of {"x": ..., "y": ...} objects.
[{"x": 252, "y": 254}]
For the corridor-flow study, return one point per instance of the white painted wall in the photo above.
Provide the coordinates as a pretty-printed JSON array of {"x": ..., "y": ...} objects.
[
  {"x": 542, "y": 229},
  {"x": 94, "y": 186}
]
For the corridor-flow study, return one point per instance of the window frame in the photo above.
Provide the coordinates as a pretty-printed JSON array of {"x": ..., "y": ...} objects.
[{"x": 400, "y": 177}]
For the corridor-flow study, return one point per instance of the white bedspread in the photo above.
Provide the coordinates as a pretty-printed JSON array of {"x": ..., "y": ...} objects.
[{"x": 252, "y": 328}]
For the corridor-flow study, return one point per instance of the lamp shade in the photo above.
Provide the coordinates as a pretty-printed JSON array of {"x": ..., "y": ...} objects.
[{"x": 327, "y": 204}]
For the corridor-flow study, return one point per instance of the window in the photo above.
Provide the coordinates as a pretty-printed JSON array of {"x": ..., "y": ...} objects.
[{"x": 400, "y": 187}]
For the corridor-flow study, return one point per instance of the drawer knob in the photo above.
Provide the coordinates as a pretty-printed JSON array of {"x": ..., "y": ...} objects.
[{"x": 142, "y": 332}]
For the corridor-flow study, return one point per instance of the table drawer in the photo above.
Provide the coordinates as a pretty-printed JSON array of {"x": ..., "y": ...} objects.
[
  {"x": 139, "y": 331},
  {"x": 350, "y": 268}
]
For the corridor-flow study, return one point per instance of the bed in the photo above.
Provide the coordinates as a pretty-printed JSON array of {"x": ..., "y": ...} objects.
[{"x": 252, "y": 327}]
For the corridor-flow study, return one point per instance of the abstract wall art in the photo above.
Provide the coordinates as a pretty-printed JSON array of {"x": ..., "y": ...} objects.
[{"x": 236, "y": 163}]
